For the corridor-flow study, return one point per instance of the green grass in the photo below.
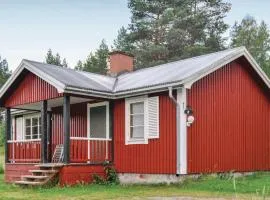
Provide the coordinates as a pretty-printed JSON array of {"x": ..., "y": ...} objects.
[
  {"x": 1, "y": 159},
  {"x": 246, "y": 187}
]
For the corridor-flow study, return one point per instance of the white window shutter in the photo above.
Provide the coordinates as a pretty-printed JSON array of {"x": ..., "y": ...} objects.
[{"x": 153, "y": 117}]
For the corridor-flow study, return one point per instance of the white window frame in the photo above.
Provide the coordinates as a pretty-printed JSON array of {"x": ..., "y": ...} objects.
[
  {"x": 128, "y": 102},
  {"x": 91, "y": 105},
  {"x": 36, "y": 115}
]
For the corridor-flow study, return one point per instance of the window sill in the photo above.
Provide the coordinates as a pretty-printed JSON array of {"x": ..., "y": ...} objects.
[{"x": 136, "y": 141}]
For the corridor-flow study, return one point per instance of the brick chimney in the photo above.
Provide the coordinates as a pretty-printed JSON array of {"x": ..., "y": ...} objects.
[{"x": 119, "y": 62}]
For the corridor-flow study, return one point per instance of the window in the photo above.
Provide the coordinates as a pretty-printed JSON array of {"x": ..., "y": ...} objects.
[
  {"x": 32, "y": 127},
  {"x": 142, "y": 119},
  {"x": 137, "y": 120},
  {"x": 98, "y": 120}
]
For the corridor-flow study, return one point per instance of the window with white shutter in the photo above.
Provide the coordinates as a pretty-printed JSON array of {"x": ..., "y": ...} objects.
[{"x": 142, "y": 119}]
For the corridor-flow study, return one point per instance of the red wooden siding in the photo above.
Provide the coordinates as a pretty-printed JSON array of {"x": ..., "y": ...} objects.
[
  {"x": 99, "y": 151},
  {"x": 231, "y": 128},
  {"x": 75, "y": 174},
  {"x": 159, "y": 155},
  {"x": 31, "y": 89},
  {"x": 69, "y": 175},
  {"x": 78, "y": 123},
  {"x": 13, "y": 172},
  {"x": 78, "y": 128}
]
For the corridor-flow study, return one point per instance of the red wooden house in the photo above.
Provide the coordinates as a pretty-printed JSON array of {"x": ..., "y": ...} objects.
[{"x": 205, "y": 114}]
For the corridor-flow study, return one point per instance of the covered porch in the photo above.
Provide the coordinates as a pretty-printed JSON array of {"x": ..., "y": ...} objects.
[{"x": 81, "y": 125}]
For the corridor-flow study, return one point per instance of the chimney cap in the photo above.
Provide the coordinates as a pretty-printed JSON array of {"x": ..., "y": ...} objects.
[{"x": 121, "y": 52}]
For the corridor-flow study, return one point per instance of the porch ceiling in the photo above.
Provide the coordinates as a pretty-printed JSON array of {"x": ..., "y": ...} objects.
[{"x": 54, "y": 103}]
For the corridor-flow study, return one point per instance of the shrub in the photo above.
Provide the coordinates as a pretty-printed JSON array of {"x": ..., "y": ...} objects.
[{"x": 111, "y": 177}]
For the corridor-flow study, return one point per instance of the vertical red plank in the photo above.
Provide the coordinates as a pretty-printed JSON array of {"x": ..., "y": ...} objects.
[
  {"x": 158, "y": 156},
  {"x": 31, "y": 89}
]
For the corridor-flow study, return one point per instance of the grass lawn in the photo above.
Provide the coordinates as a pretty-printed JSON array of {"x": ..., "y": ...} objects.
[
  {"x": 2, "y": 158},
  {"x": 253, "y": 186},
  {"x": 247, "y": 187}
]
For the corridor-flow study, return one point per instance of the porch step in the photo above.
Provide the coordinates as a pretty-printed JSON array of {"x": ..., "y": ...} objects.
[
  {"x": 44, "y": 171},
  {"x": 50, "y": 165},
  {"x": 28, "y": 183},
  {"x": 40, "y": 176},
  {"x": 32, "y": 177}
]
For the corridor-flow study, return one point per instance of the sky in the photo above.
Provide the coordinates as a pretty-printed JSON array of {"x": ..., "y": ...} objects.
[{"x": 74, "y": 28}]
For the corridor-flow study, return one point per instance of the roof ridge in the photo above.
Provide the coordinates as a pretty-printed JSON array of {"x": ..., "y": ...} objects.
[
  {"x": 66, "y": 68},
  {"x": 56, "y": 66}
]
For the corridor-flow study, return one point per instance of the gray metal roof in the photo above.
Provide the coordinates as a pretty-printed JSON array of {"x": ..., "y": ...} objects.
[
  {"x": 170, "y": 72},
  {"x": 175, "y": 74},
  {"x": 73, "y": 78}
]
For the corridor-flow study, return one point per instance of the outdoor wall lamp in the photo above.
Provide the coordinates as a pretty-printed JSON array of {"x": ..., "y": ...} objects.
[{"x": 190, "y": 117}]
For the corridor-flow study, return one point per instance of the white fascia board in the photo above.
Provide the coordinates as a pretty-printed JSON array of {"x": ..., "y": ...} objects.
[{"x": 188, "y": 82}]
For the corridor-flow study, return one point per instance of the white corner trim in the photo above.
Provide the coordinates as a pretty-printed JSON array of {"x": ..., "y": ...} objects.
[
  {"x": 182, "y": 137},
  {"x": 129, "y": 101},
  {"x": 91, "y": 105}
]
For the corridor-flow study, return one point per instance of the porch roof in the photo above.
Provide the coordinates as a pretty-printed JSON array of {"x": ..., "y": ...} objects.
[{"x": 174, "y": 74}]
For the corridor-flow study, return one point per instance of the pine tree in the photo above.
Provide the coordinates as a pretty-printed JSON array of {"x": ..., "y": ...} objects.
[
  {"x": 123, "y": 41},
  {"x": 49, "y": 57},
  {"x": 96, "y": 62},
  {"x": 255, "y": 37},
  {"x": 161, "y": 31},
  {"x": 64, "y": 63},
  {"x": 55, "y": 59},
  {"x": 79, "y": 65},
  {"x": 4, "y": 71}
]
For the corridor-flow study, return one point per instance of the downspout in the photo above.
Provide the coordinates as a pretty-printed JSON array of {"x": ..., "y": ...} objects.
[{"x": 177, "y": 130}]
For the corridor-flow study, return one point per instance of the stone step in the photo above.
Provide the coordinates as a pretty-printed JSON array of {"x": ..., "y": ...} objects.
[{"x": 28, "y": 183}]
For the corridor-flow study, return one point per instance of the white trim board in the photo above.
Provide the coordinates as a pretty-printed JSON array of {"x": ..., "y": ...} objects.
[
  {"x": 129, "y": 101},
  {"x": 182, "y": 137}
]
